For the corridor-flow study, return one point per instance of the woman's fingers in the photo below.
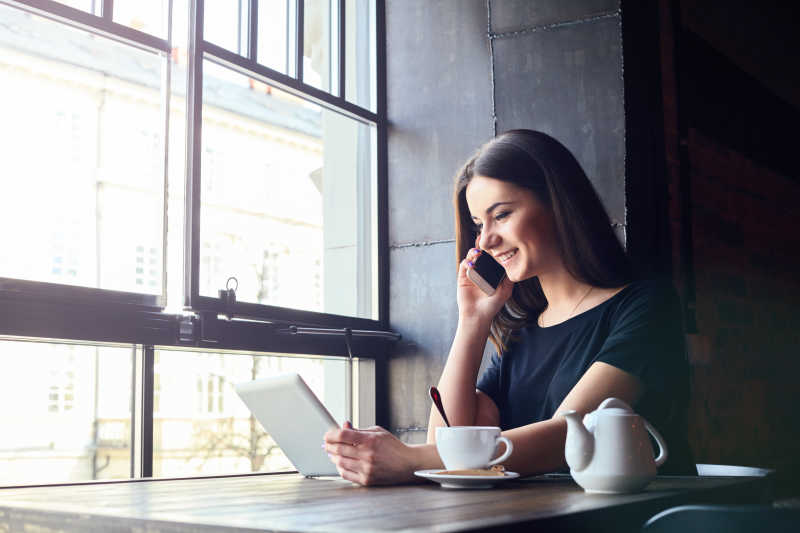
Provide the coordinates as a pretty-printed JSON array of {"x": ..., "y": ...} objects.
[
  {"x": 356, "y": 469},
  {"x": 348, "y": 450},
  {"x": 369, "y": 457},
  {"x": 472, "y": 255},
  {"x": 353, "y": 465},
  {"x": 346, "y": 436},
  {"x": 349, "y": 475}
]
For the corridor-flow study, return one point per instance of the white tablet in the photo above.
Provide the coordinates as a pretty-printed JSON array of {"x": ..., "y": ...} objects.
[{"x": 294, "y": 417}]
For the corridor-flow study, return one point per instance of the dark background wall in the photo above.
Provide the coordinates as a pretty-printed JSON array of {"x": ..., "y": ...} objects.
[
  {"x": 731, "y": 107},
  {"x": 681, "y": 114}
]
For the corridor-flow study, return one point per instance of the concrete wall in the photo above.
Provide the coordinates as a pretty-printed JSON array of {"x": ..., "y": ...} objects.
[{"x": 456, "y": 71}]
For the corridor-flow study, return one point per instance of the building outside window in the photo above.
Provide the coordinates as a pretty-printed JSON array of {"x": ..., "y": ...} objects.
[{"x": 93, "y": 145}]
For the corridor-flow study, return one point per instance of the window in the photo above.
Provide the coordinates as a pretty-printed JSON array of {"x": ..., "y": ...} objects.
[
  {"x": 286, "y": 156},
  {"x": 155, "y": 153},
  {"x": 81, "y": 150},
  {"x": 59, "y": 424},
  {"x": 202, "y": 427}
]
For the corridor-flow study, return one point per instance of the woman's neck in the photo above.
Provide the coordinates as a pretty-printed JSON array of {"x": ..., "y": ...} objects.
[{"x": 560, "y": 288}]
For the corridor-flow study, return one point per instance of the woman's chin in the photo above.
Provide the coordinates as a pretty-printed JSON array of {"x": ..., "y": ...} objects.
[
  {"x": 512, "y": 276},
  {"x": 516, "y": 275}
]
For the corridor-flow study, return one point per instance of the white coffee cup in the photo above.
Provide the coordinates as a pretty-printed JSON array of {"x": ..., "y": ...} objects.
[{"x": 470, "y": 447}]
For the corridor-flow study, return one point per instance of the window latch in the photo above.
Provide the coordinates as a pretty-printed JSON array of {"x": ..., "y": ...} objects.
[{"x": 228, "y": 296}]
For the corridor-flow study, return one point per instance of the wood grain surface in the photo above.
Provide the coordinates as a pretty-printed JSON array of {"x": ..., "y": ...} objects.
[{"x": 290, "y": 502}]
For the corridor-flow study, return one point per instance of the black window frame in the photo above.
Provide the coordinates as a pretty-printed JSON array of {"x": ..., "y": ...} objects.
[
  {"x": 201, "y": 50},
  {"x": 41, "y": 310}
]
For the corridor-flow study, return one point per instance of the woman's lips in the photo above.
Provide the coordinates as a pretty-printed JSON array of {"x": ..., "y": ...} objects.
[{"x": 505, "y": 257}]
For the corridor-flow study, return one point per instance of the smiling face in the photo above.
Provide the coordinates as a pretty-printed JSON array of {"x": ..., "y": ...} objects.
[{"x": 515, "y": 227}]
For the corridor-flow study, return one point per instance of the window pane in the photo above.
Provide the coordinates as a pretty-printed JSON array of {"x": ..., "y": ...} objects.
[
  {"x": 64, "y": 412},
  {"x": 287, "y": 199},
  {"x": 149, "y": 17},
  {"x": 202, "y": 427},
  {"x": 360, "y": 65},
  {"x": 274, "y": 49},
  {"x": 83, "y": 5},
  {"x": 224, "y": 24},
  {"x": 317, "y": 38},
  {"x": 81, "y": 143}
]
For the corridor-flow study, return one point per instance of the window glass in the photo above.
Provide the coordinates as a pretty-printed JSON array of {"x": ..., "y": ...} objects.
[
  {"x": 317, "y": 39},
  {"x": 360, "y": 50},
  {"x": 274, "y": 47},
  {"x": 149, "y": 17},
  {"x": 287, "y": 199},
  {"x": 90, "y": 6},
  {"x": 81, "y": 143},
  {"x": 224, "y": 24},
  {"x": 65, "y": 412},
  {"x": 202, "y": 427}
]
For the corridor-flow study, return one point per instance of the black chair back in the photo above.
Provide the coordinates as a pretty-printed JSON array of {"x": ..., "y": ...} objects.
[{"x": 727, "y": 518}]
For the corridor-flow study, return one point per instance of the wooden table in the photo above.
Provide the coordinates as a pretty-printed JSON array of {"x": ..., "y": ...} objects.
[{"x": 289, "y": 502}]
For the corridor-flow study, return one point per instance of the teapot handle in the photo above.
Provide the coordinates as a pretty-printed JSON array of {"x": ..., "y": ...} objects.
[{"x": 662, "y": 445}]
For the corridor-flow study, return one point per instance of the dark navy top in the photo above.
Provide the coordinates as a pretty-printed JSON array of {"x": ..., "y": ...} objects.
[{"x": 637, "y": 330}]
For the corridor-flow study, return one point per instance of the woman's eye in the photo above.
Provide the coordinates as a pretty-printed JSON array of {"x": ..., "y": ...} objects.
[{"x": 502, "y": 215}]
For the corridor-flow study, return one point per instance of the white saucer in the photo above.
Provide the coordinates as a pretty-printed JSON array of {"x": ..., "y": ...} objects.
[{"x": 449, "y": 481}]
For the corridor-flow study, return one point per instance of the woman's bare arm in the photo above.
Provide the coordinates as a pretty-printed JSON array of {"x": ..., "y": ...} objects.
[
  {"x": 539, "y": 447},
  {"x": 375, "y": 456},
  {"x": 457, "y": 384}
]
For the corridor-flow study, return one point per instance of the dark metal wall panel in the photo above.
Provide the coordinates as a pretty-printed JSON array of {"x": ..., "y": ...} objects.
[
  {"x": 515, "y": 15},
  {"x": 422, "y": 291},
  {"x": 439, "y": 112},
  {"x": 567, "y": 81},
  {"x": 438, "y": 104}
]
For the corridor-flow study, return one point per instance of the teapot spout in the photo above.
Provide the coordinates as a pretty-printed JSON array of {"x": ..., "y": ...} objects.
[{"x": 579, "y": 447}]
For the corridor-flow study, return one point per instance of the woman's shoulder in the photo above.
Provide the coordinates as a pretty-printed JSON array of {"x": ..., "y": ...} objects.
[
  {"x": 652, "y": 297},
  {"x": 647, "y": 290}
]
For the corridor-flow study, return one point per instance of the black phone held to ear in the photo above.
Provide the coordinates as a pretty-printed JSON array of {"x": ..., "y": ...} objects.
[{"x": 486, "y": 273}]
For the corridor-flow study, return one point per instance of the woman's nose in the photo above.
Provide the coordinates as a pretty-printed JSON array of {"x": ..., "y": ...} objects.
[{"x": 488, "y": 239}]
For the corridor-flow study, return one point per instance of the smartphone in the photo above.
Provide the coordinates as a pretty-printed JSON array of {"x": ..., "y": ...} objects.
[{"x": 486, "y": 273}]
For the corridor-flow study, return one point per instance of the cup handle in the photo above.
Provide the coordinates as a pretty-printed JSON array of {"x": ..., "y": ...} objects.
[
  {"x": 662, "y": 445},
  {"x": 509, "y": 449}
]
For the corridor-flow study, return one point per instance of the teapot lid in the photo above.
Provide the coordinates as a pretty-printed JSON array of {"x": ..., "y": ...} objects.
[
  {"x": 613, "y": 406},
  {"x": 615, "y": 411}
]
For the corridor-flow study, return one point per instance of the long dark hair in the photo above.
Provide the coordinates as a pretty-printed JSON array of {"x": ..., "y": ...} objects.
[{"x": 590, "y": 250}]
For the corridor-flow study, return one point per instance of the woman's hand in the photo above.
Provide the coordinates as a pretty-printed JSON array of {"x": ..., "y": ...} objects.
[
  {"x": 473, "y": 303},
  {"x": 370, "y": 456}
]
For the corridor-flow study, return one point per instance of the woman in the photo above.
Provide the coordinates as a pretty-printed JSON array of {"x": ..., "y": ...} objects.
[{"x": 570, "y": 325}]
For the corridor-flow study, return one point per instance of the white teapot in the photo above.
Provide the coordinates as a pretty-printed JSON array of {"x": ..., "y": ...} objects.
[{"x": 609, "y": 451}]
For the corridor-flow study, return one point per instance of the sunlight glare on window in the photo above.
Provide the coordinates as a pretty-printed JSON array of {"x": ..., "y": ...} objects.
[
  {"x": 222, "y": 24},
  {"x": 81, "y": 142},
  {"x": 83, "y": 5},
  {"x": 149, "y": 17},
  {"x": 317, "y": 38},
  {"x": 69, "y": 407},
  {"x": 286, "y": 199},
  {"x": 274, "y": 50},
  {"x": 202, "y": 426}
]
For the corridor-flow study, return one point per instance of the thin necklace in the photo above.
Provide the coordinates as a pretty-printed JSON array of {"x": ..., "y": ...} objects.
[{"x": 541, "y": 322}]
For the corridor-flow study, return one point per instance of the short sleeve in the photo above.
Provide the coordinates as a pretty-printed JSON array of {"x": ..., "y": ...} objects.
[
  {"x": 489, "y": 382},
  {"x": 645, "y": 337}
]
